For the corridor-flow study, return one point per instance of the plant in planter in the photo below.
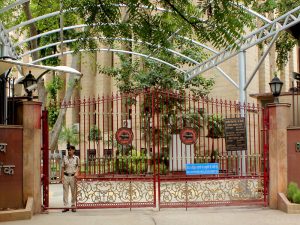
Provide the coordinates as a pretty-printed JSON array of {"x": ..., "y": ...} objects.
[
  {"x": 214, "y": 156},
  {"x": 290, "y": 202},
  {"x": 95, "y": 134},
  {"x": 215, "y": 126},
  {"x": 293, "y": 193}
]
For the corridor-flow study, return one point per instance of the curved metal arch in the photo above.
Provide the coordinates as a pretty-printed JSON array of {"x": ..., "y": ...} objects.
[
  {"x": 50, "y": 32},
  {"x": 117, "y": 39},
  {"x": 269, "y": 30},
  {"x": 86, "y": 25},
  {"x": 33, "y": 20},
  {"x": 111, "y": 50},
  {"x": 161, "y": 9},
  {"x": 174, "y": 52},
  {"x": 252, "y": 12},
  {"x": 200, "y": 44},
  {"x": 6, "y": 8}
]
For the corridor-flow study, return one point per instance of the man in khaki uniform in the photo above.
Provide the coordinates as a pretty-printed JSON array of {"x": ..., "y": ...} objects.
[{"x": 70, "y": 170}]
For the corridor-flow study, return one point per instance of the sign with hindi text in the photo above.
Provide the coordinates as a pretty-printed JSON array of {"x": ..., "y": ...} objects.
[
  {"x": 11, "y": 167},
  {"x": 202, "y": 169}
]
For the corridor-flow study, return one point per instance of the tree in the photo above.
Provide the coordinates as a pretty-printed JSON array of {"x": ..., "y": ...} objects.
[
  {"x": 68, "y": 136},
  {"x": 219, "y": 22},
  {"x": 131, "y": 76}
]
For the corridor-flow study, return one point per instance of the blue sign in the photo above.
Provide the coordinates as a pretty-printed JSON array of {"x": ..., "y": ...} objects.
[{"x": 202, "y": 169}]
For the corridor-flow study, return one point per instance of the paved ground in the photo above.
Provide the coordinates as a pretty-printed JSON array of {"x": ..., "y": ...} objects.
[
  {"x": 199, "y": 216},
  {"x": 195, "y": 216}
]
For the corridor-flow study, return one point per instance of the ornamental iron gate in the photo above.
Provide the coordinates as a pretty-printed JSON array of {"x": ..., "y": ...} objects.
[{"x": 135, "y": 148}]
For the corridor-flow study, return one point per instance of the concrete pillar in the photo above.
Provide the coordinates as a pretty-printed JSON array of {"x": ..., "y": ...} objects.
[
  {"x": 279, "y": 121},
  {"x": 29, "y": 114},
  {"x": 103, "y": 82},
  {"x": 72, "y": 61}
]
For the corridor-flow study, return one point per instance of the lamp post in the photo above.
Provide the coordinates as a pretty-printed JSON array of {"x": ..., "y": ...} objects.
[
  {"x": 276, "y": 86},
  {"x": 29, "y": 83}
]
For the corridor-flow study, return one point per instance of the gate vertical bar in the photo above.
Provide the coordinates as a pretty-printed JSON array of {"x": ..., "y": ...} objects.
[
  {"x": 153, "y": 96},
  {"x": 45, "y": 148},
  {"x": 159, "y": 142},
  {"x": 266, "y": 153}
]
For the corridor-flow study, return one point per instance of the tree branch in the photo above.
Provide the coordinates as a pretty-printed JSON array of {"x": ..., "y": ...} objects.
[{"x": 180, "y": 14}]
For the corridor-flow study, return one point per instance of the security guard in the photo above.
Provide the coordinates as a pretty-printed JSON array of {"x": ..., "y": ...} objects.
[{"x": 70, "y": 170}]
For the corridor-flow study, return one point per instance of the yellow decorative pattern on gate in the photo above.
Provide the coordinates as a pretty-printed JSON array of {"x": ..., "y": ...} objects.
[
  {"x": 210, "y": 191},
  {"x": 108, "y": 192}
]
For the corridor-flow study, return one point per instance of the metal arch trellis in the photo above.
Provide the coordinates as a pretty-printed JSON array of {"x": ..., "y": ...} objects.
[
  {"x": 269, "y": 30},
  {"x": 253, "y": 13},
  {"x": 112, "y": 50},
  {"x": 131, "y": 40},
  {"x": 122, "y": 39},
  {"x": 117, "y": 39},
  {"x": 121, "y": 5},
  {"x": 85, "y": 25}
]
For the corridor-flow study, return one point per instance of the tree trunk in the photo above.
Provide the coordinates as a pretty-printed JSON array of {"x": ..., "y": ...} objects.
[
  {"x": 33, "y": 45},
  {"x": 54, "y": 134},
  {"x": 32, "y": 30},
  {"x": 42, "y": 93}
]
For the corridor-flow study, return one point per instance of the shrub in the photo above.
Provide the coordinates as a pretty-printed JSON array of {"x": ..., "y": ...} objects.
[
  {"x": 296, "y": 197},
  {"x": 291, "y": 190}
]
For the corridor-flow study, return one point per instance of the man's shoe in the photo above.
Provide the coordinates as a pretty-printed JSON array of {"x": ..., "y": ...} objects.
[
  {"x": 73, "y": 210},
  {"x": 65, "y": 210}
]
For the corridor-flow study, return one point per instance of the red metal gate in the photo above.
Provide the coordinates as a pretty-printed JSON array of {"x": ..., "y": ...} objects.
[
  {"x": 243, "y": 174},
  {"x": 45, "y": 160},
  {"x": 134, "y": 149}
]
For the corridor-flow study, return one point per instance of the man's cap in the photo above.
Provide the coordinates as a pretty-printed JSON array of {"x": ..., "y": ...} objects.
[{"x": 71, "y": 147}]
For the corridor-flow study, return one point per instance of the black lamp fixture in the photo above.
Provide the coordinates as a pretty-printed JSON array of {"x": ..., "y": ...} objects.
[
  {"x": 295, "y": 31},
  {"x": 29, "y": 84},
  {"x": 276, "y": 86}
]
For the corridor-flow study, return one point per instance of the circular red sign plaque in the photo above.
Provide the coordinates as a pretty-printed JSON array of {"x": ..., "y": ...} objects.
[
  {"x": 124, "y": 136},
  {"x": 188, "y": 136}
]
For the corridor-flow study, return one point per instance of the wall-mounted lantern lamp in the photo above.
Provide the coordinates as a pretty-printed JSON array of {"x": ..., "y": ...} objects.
[
  {"x": 276, "y": 86},
  {"x": 30, "y": 84}
]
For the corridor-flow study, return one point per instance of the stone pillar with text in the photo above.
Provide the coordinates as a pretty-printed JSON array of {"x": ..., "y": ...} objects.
[
  {"x": 29, "y": 116},
  {"x": 279, "y": 121}
]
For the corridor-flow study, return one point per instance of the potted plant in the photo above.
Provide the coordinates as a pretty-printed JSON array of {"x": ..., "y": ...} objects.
[
  {"x": 293, "y": 193},
  {"x": 290, "y": 203}
]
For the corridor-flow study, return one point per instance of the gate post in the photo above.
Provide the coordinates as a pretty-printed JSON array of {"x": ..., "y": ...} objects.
[
  {"x": 45, "y": 150},
  {"x": 278, "y": 120},
  {"x": 29, "y": 115}
]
